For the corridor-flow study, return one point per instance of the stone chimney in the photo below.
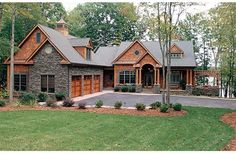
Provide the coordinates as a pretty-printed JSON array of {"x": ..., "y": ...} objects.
[{"x": 62, "y": 27}]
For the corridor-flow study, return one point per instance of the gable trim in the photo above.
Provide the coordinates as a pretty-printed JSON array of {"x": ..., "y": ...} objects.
[
  {"x": 139, "y": 58},
  {"x": 175, "y": 45},
  {"x": 65, "y": 59}
]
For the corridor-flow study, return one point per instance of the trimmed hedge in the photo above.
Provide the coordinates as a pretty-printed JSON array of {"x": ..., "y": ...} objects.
[
  {"x": 177, "y": 107},
  {"x": 60, "y": 96},
  {"x": 116, "y": 88},
  {"x": 42, "y": 97},
  {"x": 27, "y": 98},
  {"x": 118, "y": 105},
  {"x": 206, "y": 91},
  {"x": 99, "y": 104},
  {"x": 2, "y": 103},
  {"x": 164, "y": 108},
  {"x": 140, "y": 106},
  {"x": 124, "y": 89}
]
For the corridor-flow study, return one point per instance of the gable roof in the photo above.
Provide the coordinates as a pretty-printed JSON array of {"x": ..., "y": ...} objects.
[
  {"x": 153, "y": 47},
  {"x": 79, "y": 41}
]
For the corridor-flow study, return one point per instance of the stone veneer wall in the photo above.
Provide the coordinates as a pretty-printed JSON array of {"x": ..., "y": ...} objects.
[
  {"x": 48, "y": 64},
  {"x": 91, "y": 70}
]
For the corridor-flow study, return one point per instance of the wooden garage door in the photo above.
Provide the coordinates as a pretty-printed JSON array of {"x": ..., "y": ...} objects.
[
  {"x": 96, "y": 83},
  {"x": 87, "y": 84},
  {"x": 76, "y": 86}
]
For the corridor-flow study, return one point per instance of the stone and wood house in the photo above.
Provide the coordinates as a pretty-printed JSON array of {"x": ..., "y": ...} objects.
[{"x": 51, "y": 60}]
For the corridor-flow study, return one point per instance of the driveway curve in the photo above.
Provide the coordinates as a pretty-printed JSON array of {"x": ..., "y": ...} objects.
[{"x": 130, "y": 100}]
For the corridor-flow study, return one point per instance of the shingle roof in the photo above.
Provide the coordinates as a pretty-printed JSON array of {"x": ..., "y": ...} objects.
[
  {"x": 106, "y": 55},
  {"x": 63, "y": 44},
  {"x": 79, "y": 41},
  {"x": 154, "y": 48}
]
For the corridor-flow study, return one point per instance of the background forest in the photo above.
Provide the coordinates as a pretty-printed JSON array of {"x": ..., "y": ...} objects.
[{"x": 213, "y": 33}]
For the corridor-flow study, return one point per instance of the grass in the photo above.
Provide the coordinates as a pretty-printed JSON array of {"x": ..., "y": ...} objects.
[{"x": 201, "y": 129}]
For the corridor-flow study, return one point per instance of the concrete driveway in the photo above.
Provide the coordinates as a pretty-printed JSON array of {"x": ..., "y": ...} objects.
[{"x": 131, "y": 99}]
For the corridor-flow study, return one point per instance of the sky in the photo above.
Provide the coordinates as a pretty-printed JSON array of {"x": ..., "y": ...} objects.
[{"x": 70, "y": 4}]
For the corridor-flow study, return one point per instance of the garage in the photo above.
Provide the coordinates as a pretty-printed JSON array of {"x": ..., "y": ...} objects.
[
  {"x": 87, "y": 84},
  {"x": 97, "y": 83},
  {"x": 76, "y": 86}
]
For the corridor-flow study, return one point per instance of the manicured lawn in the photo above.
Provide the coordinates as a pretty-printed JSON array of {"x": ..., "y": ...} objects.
[{"x": 67, "y": 130}]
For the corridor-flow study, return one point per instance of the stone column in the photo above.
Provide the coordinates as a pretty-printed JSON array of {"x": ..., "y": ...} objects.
[
  {"x": 189, "y": 85},
  {"x": 157, "y": 88},
  {"x": 140, "y": 75}
]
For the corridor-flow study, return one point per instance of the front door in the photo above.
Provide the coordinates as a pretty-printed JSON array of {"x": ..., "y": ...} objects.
[{"x": 148, "y": 80}]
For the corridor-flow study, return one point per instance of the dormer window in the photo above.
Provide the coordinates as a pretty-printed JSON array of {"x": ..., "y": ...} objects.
[
  {"x": 88, "y": 54},
  {"x": 38, "y": 37},
  {"x": 176, "y": 55}
]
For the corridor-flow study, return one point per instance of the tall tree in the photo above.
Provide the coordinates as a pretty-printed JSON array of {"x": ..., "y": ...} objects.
[{"x": 105, "y": 23}]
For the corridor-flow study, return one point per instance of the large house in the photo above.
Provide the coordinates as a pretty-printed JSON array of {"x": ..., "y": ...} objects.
[{"x": 51, "y": 60}]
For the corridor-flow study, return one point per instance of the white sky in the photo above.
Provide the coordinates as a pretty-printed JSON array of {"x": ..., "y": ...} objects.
[{"x": 70, "y": 4}]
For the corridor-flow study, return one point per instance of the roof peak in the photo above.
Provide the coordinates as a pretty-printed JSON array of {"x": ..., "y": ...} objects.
[{"x": 61, "y": 21}]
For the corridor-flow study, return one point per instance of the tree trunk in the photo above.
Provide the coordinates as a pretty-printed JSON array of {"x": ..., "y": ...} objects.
[
  {"x": 12, "y": 52},
  {"x": 169, "y": 54},
  {"x": 1, "y": 14}
]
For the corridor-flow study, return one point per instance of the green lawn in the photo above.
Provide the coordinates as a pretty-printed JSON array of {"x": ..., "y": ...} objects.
[{"x": 67, "y": 130}]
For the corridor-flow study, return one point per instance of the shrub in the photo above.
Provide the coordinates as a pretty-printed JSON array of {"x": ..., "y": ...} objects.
[
  {"x": 82, "y": 105},
  {"x": 140, "y": 106},
  {"x": 155, "y": 105},
  {"x": 99, "y": 104},
  {"x": 177, "y": 107},
  {"x": 68, "y": 103},
  {"x": 206, "y": 91},
  {"x": 118, "y": 105},
  {"x": 42, "y": 97},
  {"x": 60, "y": 96},
  {"x": 124, "y": 88},
  {"x": 51, "y": 103},
  {"x": 164, "y": 108},
  {"x": 27, "y": 98},
  {"x": 132, "y": 89},
  {"x": 2, "y": 103},
  {"x": 171, "y": 105},
  {"x": 3, "y": 94},
  {"x": 116, "y": 88}
]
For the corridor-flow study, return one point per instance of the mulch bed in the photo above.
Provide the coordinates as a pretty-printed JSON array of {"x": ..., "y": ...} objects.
[
  {"x": 147, "y": 112},
  {"x": 230, "y": 119}
]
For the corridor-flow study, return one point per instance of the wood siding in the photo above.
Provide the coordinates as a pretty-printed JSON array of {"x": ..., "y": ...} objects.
[
  {"x": 29, "y": 46},
  {"x": 129, "y": 55}
]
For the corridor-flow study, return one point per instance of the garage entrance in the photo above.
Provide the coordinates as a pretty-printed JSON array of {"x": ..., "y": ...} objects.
[
  {"x": 97, "y": 83},
  {"x": 76, "y": 86},
  {"x": 87, "y": 84}
]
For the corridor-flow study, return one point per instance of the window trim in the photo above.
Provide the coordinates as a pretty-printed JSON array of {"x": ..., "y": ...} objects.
[
  {"x": 47, "y": 87},
  {"x": 130, "y": 74},
  {"x": 20, "y": 76}
]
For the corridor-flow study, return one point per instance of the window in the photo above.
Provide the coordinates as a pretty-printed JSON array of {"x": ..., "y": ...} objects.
[
  {"x": 127, "y": 77},
  {"x": 176, "y": 55},
  {"x": 38, "y": 37},
  {"x": 136, "y": 52},
  {"x": 48, "y": 83},
  {"x": 175, "y": 77},
  {"x": 20, "y": 82},
  {"x": 88, "y": 54}
]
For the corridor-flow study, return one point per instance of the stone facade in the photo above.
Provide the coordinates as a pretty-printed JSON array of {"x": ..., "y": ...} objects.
[
  {"x": 92, "y": 70},
  {"x": 138, "y": 88},
  {"x": 156, "y": 89},
  {"x": 48, "y": 64},
  {"x": 189, "y": 89}
]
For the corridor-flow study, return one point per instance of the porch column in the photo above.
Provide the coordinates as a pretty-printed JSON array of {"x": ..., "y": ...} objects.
[
  {"x": 187, "y": 77},
  {"x": 136, "y": 75},
  {"x": 155, "y": 76},
  {"x": 158, "y": 76},
  {"x": 140, "y": 75},
  {"x": 191, "y": 77}
]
